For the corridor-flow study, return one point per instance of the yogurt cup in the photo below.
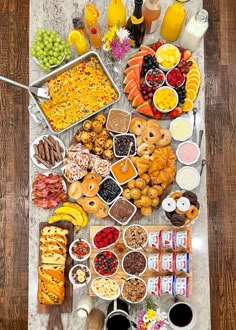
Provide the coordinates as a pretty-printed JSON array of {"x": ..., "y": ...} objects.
[
  {"x": 181, "y": 129},
  {"x": 188, "y": 178},
  {"x": 188, "y": 153}
]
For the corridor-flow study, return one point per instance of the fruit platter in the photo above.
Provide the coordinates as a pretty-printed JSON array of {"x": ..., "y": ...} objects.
[{"x": 162, "y": 66}]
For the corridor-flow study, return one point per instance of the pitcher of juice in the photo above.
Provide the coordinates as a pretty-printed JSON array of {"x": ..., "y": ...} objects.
[
  {"x": 173, "y": 20},
  {"x": 91, "y": 15},
  {"x": 116, "y": 13}
]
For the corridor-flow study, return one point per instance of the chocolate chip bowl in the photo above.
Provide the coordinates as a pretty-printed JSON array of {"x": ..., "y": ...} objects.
[{"x": 134, "y": 263}]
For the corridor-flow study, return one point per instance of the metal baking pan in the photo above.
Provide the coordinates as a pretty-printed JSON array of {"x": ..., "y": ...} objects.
[{"x": 35, "y": 109}]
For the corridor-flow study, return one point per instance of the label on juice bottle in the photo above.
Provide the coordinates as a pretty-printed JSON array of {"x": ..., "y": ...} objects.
[
  {"x": 154, "y": 262},
  {"x": 168, "y": 285},
  {"x": 154, "y": 240},
  {"x": 182, "y": 262},
  {"x": 168, "y": 262},
  {"x": 182, "y": 286},
  {"x": 153, "y": 285}
]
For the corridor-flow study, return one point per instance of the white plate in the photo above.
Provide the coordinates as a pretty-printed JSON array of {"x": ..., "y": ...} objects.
[{"x": 34, "y": 160}]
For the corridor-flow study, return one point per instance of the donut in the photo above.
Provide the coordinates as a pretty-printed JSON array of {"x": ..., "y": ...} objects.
[
  {"x": 169, "y": 215},
  {"x": 102, "y": 211},
  {"x": 140, "y": 183},
  {"x": 176, "y": 195},
  {"x": 137, "y": 124},
  {"x": 145, "y": 149},
  {"x": 191, "y": 196},
  {"x": 101, "y": 118},
  {"x": 192, "y": 213},
  {"x": 87, "y": 125},
  {"x": 183, "y": 204},
  {"x": 126, "y": 193},
  {"x": 179, "y": 212},
  {"x": 165, "y": 138},
  {"x": 90, "y": 187},
  {"x": 177, "y": 220},
  {"x": 75, "y": 190},
  {"x": 90, "y": 204},
  {"x": 93, "y": 176},
  {"x": 151, "y": 134},
  {"x": 168, "y": 204},
  {"x": 196, "y": 204}
]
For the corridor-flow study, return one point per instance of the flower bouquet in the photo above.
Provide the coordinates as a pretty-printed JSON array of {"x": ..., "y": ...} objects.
[{"x": 152, "y": 318}]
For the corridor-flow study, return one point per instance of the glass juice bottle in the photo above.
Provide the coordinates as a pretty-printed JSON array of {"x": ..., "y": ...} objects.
[
  {"x": 173, "y": 20},
  {"x": 116, "y": 14},
  {"x": 136, "y": 25},
  {"x": 91, "y": 15},
  {"x": 95, "y": 36},
  {"x": 151, "y": 13}
]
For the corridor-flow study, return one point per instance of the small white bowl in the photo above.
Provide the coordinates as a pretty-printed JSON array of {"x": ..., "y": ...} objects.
[
  {"x": 128, "y": 220},
  {"x": 122, "y": 263},
  {"x": 74, "y": 256},
  {"x": 177, "y": 123},
  {"x": 121, "y": 190},
  {"x": 127, "y": 245},
  {"x": 176, "y": 97},
  {"x": 129, "y": 301},
  {"x": 123, "y": 114},
  {"x": 108, "y": 246},
  {"x": 178, "y": 59},
  {"x": 132, "y": 165},
  {"x": 72, "y": 280},
  {"x": 158, "y": 71},
  {"x": 184, "y": 178},
  {"x": 95, "y": 291},
  {"x": 194, "y": 145},
  {"x": 106, "y": 274},
  {"x": 168, "y": 84},
  {"x": 116, "y": 137}
]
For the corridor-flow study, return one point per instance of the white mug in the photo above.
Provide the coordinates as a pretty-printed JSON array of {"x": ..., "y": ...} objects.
[{"x": 188, "y": 326}]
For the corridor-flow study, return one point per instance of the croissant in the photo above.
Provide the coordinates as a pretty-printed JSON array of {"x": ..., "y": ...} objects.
[
  {"x": 157, "y": 164},
  {"x": 165, "y": 175},
  {"x": 141, "y": 163}
]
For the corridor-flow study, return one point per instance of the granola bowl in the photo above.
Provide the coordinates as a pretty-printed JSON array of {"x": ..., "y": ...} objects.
[
  {"x": 135, "y": 237},
  {"x": 134, "y": 290}
]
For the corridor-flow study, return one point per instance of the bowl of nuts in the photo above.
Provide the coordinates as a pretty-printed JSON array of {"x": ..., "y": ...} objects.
[
  {"x": 135, "y": 237},
  {"x": 134, "y": 290}
]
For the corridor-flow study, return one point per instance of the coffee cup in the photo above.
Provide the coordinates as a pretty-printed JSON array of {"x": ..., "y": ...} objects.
[{"x": 182, "y": 316}]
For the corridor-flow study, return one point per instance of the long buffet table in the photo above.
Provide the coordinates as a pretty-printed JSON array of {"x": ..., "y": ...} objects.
[{"x": 57, "y": 15}]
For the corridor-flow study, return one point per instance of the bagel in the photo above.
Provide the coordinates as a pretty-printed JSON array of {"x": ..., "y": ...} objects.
[
  {"x": 176, "y": 195},
  {"x": 90, "y": 187},
  {"x": 90, "y": 204},
  {"x": 137, "y": 124},
  {"x": 192, "y": 213},
  {"x": 152, "y": 122},
  {"x": 102, "y": 211},
  {"x": 93, "y": 176},
  {"x": 145, "y": 149},
  {"x": 139, "y": 140},
  {"x": 165, "y": 138},
  {"x": 151, "y": 134},
  {"x": 75, "y": 190}
]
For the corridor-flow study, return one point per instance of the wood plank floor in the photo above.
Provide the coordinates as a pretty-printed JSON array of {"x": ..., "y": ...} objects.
[{"x": 220, "y": 68}]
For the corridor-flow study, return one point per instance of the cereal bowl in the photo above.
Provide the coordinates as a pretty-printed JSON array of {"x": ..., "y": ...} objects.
[
  {"x": 131, "y": 285},
  {"x": 134, "y": 263},
  {"x": 135, "y": 237},
  {"x": 165, "y": 99},
  {"x": 80, "y": 275},
  {"x": 105, "y": 288},
  {"x": 80, "y": 250},
  {"x": 105, "y": 263}
]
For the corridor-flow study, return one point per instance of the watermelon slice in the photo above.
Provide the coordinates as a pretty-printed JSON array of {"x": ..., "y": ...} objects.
[
  {"x": 138, "y": 100},
  {"x": 148, "y": 50},
  {"x": 131, "y": 84},
  {"x": 145, "y": 109},
  {"x": 131, "y": 75},
  {"x": 134, "y": 92},
  {"x": 140, "y": 53},
  {"x": 136, "y": 60}
]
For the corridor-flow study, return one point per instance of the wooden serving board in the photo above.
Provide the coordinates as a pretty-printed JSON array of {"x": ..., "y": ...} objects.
[
  {"x": 67, "y": 305},
  {"x": 149, "y": 250}
]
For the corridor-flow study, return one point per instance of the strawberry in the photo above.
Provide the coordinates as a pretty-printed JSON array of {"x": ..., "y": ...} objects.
[
  {"x": 156, "y": 114},
  {"x": 186, "y": 54},
  {"x": 175, "y": 113}
]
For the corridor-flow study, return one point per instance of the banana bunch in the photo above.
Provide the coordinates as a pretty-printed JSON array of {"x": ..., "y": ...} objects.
[{"x": 71, "y": 212}]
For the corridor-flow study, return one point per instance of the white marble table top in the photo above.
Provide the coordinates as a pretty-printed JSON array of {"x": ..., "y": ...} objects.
[{"x": 56, "y": 14}]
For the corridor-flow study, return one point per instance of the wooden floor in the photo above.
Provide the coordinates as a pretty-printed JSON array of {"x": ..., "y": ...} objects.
[{"x": 220, "y": 68}]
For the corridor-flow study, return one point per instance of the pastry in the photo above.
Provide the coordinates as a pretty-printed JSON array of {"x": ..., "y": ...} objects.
[
  {"x": 135, "y": 193},
  {"x": 75, "y": 190},
  {"x": 101, "y": 118},
  {"x": 165, "y": 138},
  {"x": 183, "y": 204},
  {"x": 108, "y": 154},
  {"x": 145, "y": 201},
  {"x": 177, "y": 220},
  {"x": 89, "y": 187},
  {"x": 97, "y": 126},
  {"x": 192, "y": 213},
  {"x": 87, "y": 125},
  {"x": 146, "y": 211},
  {"x": 91, "y": 204},
  {"x": 136, "y": 125},
  {"x": 151, "y": 133},
  {"x": 168, "y": 204},
  {"x": 191, "y": 196},
  {"x": 145, "y": 149},
  {"x": 140, "y": 183}
]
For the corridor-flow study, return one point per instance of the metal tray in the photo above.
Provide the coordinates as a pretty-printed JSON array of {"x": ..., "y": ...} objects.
[{"x": 35, "y": 109}]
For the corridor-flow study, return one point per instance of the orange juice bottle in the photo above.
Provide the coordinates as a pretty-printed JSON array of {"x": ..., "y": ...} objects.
[
  {"x": 116, "y": 14},
  {"x": 173, "y": 20}
]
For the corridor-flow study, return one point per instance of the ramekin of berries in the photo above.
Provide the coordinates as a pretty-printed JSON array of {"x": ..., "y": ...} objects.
[
  {"x": 106, "y": 237},
  {"x": 80, "y": 250},
  {"x": 155, "y": 78},
  {"x": 105, "y": 263},
  {"x": 175, "y": 78}
]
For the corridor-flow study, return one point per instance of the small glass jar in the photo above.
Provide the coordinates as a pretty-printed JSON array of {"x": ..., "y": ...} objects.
[{"x": 84, "y": 307}]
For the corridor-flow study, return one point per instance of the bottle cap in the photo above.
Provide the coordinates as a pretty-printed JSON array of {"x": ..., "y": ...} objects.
[
  {"x": 82, "y": 313},
  {"x": 202, "y": 15}
]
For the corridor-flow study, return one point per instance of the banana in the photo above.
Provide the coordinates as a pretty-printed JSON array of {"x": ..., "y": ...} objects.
[
  {"x": 81, "y": 210},
  {"x": 62, "y": 216},
  {"x": 72, "y": 212}
]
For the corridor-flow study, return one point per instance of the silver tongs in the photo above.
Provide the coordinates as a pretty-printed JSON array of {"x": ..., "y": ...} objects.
[{"x": 39, "y": 91}]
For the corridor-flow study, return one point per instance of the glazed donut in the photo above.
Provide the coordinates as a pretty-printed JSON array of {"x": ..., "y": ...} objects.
[
  {"x": 137, "y": 124},
  {"x": 190, "y": 195},
  {"x": 151, "y": 134},
  {"x": 145, "y": 149},
  {"x": 192, "y": 213},
  {"x": 93, "y": 176},
  {"x": 176, "y": 195},
  {"x": 165, "y": 138},
  {"x": 87, "y": 125},
  {"x": 75, "y": 190},
  {"x": 90, "y": 204},
  {"x": 177, "y": 220},
  {"x": 90, "y": 187},
  {"x": 101, "y": 118},
  {"x": 179, "y": 211}
]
